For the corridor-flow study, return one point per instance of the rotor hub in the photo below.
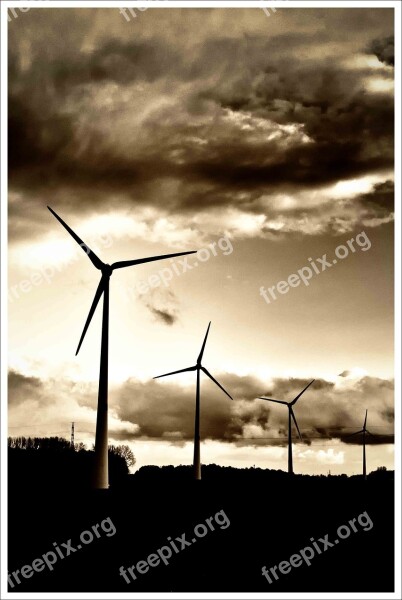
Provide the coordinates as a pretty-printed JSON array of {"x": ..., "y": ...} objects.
[{"x": 107, "y": 270}]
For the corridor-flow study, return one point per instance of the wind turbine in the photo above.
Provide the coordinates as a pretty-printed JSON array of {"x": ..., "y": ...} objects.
[
  {"x": 101, "y": 471},
  {"x": 198, "y": 367},
  {"x": 363, "y": 431},
  {"x": 291, "y": 416}
]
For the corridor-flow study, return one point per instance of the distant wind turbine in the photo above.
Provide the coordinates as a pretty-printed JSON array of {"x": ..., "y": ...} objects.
[
  {"x": 291, "y": 416},
  {"x": 363, "y": 431},
  {"x": 198, "y": 367},
  {"x": 101, "y": 471}
]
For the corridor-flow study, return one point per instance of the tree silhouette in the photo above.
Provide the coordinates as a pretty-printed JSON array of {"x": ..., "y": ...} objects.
[
  {"x": 80, "y": 446},
  {"x": 53, "y": 462},
  {"x": 125, "y": 452}
]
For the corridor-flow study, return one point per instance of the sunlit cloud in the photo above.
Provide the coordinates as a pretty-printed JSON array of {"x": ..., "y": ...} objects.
[{"x": 380, "y": 85}]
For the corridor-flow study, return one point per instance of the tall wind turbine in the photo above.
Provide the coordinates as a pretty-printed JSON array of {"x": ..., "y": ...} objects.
[
  {"x": 291, "y": 416},
  {"x": 101, "y": 471},
  {"x": 363, "y": 431},
  {"x": 198, "y": 367}
]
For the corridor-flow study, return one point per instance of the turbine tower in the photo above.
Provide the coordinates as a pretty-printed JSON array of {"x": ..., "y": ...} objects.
[
  {"x": 291, "y": 416},
  {"x": 101, "y": 471},
  {"x": 198, "y": 367},
  {"x": 363, "y": 431}
]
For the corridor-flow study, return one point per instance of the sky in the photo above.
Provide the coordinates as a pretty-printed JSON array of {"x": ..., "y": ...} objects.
[{"x": 264, "y": 143}]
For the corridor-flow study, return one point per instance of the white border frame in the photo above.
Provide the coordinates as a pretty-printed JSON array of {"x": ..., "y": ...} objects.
[{"x": 5, "y": 5}]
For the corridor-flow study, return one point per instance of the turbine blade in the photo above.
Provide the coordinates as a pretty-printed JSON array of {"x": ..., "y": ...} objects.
[
  {"x": 295, "y": 422},
  {"x": 355, "y": 433},
  {"x": 277, "y": 401},
  {"x": 302, "y": 392},
  {"x": 130, "y": 263},
  {"x": 203, "y": 344},
  {"x": 91, "y": 255},
  {"x": 365, "y": 420},
  {"x": 175, "y": 372},
  {"x": 98, "y": 294},
  {"x": 217, "y": 383}
]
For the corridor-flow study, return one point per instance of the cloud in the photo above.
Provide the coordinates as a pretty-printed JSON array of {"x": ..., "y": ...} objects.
[
  {"x": 164, "y": 410},
  {"x": 355, "y": 373},
  {"x": 22, "y": 389},
  {"x": 327, "y": 410},
  {"x": 380, "y": 200},
  {"x": 326, "y": 457},
  {"x": 162, "y": 304},
  {"x": 383, "y": 48},
  {"x": 155, "y": 123},
  {"x": 48, "y": 406},
  {"x": 163, "y": 315}
]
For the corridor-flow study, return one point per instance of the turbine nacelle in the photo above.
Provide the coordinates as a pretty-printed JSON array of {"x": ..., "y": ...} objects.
[
  {"x": 364, "y": 430},
  {"x": 290, "y": 406},
  {"x": 107, "y": 270},
  {"x": 198, "y": 367},
  {"x": 101, "y": 475},
  {"x": 291, "y": 416}
]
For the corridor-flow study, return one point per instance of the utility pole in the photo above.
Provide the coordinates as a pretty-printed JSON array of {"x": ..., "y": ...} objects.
[{"x": 72, "y": 436}]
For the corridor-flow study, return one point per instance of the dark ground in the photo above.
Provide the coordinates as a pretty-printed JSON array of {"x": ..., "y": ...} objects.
[{"x": 271, "y": 518}]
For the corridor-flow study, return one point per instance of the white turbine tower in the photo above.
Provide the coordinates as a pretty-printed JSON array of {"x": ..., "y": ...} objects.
[
  {"x": 101, "y": 470},
  {"x": 291, "y": 416},
  {"x": 198, "y": 367},
  {"x": 364, "y": 431}
]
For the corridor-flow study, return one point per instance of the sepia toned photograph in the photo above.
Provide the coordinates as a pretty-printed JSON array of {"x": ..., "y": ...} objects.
[{"x": 200, "y": 269}]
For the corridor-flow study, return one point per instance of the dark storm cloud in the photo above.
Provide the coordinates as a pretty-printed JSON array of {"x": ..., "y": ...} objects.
[
  {"x": 325, "y": 411},
  {"x": 381, "y": 199},
  {"x": 22, "y": 388},
  {"x": 25, "y": 390},
  {"x": 384, "y": 50},
  {"x": 165, "y": 410},
  {"x": 162, "y": 304},
  {"x": 227, "y": 118},
  {"x": 118, "y": 62},
  {"x": 163, "y": 315},
  {"x": 44, "y": 155},
  {"x": 283, "y": 389}
]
